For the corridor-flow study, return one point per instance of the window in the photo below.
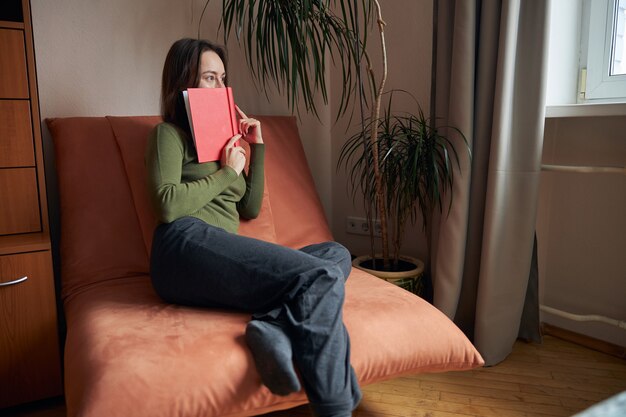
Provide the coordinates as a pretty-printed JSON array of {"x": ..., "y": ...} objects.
[
  {"x": 606, "y": 57},
  {"x": 618, "y": 51}
]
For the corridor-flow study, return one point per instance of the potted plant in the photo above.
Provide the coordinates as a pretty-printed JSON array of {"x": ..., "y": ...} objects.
[
  {"x": 399, "y": 162},
  {"x": 415, "y": 165}
]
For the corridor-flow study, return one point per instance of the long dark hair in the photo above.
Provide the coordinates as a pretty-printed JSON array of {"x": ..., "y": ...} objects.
[{"x": 181, "y": 71}]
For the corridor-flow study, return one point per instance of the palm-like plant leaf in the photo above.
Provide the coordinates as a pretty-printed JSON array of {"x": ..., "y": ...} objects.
[{"x": 288, "y": 41}]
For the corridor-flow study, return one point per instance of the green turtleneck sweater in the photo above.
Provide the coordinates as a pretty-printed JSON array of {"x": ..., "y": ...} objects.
[{"x": 180, "y": 186}]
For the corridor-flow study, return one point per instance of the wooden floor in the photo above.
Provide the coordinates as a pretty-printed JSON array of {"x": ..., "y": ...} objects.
[{"x": 556, "y": 378}]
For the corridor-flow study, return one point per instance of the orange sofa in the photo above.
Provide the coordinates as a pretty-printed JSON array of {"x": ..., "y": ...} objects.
[{"x": 128, "y": 353}]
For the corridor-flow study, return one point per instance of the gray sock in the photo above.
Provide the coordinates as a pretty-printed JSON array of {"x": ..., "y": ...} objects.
[{"x": 271, "y": 350}]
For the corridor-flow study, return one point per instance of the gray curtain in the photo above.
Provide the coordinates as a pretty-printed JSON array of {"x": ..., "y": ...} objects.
[{"x": 491, "y": 85}]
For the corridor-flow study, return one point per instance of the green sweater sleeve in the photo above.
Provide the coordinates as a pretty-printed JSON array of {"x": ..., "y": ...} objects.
[
  {"x": 171, "y": 197},
  {"x": 250, "y": 204}
]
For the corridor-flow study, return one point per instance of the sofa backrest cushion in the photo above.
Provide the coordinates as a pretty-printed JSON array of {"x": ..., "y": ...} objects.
[
  {"x": 101, "y": 235},
  {"x": 299, "y": 217},
  {"x": 131, "y": 136},
  {"x": 106, "y": 218}
]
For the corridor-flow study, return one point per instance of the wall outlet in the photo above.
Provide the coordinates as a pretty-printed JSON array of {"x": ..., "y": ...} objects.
[{"x": 359, "y": 226}]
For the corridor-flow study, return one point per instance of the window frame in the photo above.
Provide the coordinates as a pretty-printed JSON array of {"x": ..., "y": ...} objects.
[{"x": 600, "y": 86}]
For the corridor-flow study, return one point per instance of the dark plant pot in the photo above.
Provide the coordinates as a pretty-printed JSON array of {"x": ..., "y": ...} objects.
[{"x": 409, "y": 278}]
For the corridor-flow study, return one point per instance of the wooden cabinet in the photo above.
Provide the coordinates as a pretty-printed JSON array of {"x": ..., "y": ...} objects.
[
  {"x": 30, "y": 365},
  {"x": 21, "y": 213},
  {"x": 29, "y": 344},
  {"x": 16, "y": 133},
  {"x": 14, "y": 80}
]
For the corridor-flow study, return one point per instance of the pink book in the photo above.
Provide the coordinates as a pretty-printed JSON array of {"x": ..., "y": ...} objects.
[{"x": 212, "y": 118}]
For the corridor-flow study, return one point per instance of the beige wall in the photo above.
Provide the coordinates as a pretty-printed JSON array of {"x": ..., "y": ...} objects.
[
  {"x": 581, "y": 218},
  {"x": 581, "y": 225},
  {"x": 97, "y": 58}
]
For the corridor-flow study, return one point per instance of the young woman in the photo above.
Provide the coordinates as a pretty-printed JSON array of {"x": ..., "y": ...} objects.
[{"x": 295, "y": 296}]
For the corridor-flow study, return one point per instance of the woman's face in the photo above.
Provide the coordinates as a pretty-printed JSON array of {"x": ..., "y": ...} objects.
[{"x": 212, "y": 74}]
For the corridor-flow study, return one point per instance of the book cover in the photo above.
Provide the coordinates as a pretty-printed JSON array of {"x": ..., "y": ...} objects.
[{"x": 212, "y": 119}]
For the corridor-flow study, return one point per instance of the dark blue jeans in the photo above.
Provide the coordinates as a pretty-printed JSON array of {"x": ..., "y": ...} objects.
[{"x": 302, "y": 291}]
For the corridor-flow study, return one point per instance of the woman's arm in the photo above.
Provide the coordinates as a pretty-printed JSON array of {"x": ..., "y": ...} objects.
[
  {"x": 250, "y": 204},
  {"x": 170, "y": 197}
]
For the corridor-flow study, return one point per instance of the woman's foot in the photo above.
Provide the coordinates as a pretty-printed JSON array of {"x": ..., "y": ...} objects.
[{"x": 271, "y": 350}]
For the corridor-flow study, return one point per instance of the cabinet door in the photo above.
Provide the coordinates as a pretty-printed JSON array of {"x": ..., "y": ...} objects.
[
  {"x": 19, "y": 206},
  {"x": 13, "y": 75},
  {"x": 29, "y": 348},
  {"x": 16, "y": 134}
]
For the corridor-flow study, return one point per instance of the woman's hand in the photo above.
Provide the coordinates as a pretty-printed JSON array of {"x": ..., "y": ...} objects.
[
  {"x": 250, "y": 128},
  {"x": 234, "y": 156}
]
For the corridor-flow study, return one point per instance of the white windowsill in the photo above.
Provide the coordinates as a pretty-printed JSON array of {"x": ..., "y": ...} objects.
[{"x": 586, "y": 110}]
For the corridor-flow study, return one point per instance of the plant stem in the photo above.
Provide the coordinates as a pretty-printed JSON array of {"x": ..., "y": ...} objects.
[
  {"x": 433, "y": 66},
  {"x": 380, "y": 198},
  {"x": 433, "y": 126},
  {"x": 429, "y": 239}
]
